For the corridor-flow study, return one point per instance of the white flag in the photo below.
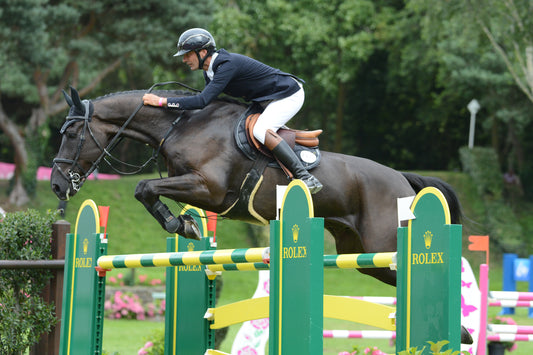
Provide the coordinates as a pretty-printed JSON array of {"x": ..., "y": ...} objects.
[{"x": 404, "y": 209}]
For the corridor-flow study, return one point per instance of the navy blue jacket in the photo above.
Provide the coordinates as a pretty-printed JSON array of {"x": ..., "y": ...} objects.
[{"x": 242, "y": 77}]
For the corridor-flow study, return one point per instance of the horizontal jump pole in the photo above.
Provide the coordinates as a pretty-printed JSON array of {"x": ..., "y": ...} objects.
[
  {"x": 511, "y": 303},
  {"x": 510, "y": 337},
  {"x": 207, "y": 257},
  {"x": 511, "y": 295},
  {"x": 359, "y": 261},
  {"x": 360, "y": 334},
  {"x": 390, "y": 301},
  {"x": 510, "y": 329},
  {"x": 341, "y": 261}
]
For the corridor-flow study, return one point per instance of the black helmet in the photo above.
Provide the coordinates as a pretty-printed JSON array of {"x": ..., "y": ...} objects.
[{"x": 195, "y": 39}]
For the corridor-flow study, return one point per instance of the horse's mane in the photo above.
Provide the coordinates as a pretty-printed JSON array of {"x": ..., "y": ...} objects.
[
  {"x": 140, "y": 92},
  {"x": 168, "y": 93}
]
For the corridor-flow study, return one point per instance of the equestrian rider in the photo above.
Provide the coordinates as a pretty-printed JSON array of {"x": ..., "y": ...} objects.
[{"x": 243, "y": 77}]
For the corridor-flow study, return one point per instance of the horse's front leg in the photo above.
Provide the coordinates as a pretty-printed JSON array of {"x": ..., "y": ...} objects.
[{"x": 177, "y": 188}]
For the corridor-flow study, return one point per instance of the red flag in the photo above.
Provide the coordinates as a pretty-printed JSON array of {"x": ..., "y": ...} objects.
[
  {"x": 104, "y": 213},
  {"x": 212, "y": 223},
  {"x": 479, "y": 243}
]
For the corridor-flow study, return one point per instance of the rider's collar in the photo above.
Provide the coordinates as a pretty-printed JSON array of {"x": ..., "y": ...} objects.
[{"x": 210, "y": 73}]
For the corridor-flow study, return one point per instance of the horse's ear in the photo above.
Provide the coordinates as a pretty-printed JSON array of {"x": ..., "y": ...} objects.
[
  {"x": 67, "y": 98},
  {"x": 76, "y": 99}
]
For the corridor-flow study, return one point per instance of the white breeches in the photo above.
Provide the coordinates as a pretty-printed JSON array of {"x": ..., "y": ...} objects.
[{"x": 277, "y": 113}]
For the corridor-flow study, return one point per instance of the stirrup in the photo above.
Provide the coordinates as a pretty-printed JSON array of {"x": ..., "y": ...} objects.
[{"x": 313, "y": 184}]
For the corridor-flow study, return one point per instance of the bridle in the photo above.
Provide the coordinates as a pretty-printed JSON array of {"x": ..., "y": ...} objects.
[{"x": 76, "y": 179}]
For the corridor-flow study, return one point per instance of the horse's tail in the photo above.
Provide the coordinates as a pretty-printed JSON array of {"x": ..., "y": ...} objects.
[{"x": 418, "y": 182}]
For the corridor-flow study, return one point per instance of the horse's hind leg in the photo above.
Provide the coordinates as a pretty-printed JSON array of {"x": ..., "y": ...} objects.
[{"x": 184, "y": 225}]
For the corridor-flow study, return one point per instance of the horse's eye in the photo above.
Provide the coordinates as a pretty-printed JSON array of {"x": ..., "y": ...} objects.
[{"x": 71, "y": 135}]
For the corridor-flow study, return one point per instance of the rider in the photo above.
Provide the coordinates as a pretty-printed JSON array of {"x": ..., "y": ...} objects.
[{"x": 240, "y": 76}]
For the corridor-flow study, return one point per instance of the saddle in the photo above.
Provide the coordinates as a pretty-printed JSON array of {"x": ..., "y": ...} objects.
[
  {"x": 304, "y": 143},
  {"x": 291, "y": 136}
]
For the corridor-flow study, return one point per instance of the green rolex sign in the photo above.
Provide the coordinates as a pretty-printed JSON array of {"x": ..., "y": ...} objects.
[{"x": 429, "y": 264}]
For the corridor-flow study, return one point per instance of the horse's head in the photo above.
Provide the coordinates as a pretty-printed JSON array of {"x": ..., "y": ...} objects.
[{"x": 79, "y": 149}]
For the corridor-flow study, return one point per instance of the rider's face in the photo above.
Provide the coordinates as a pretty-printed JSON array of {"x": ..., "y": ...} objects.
[{"x": 191, "y": 59}]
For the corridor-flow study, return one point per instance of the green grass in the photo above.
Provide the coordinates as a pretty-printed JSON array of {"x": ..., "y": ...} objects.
[
  {"x": 132, "y": 230},
  {"x": 127, "y": 336}
]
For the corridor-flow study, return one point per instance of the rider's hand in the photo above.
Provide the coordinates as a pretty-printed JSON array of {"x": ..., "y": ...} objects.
[{"x": 154, "y": 100}]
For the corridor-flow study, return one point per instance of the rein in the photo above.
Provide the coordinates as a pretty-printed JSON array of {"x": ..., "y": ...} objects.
[{"x": 76, "y": 179}]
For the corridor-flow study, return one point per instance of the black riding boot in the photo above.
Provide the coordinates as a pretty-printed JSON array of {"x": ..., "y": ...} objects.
[
  {"x": 287, "y": 157},
  {"x": 184, "y": 224}
]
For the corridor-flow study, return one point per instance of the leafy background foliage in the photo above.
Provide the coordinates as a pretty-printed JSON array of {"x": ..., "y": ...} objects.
[{"x": 24, "y": 315}]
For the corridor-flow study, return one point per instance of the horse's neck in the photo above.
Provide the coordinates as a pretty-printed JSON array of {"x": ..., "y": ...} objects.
[
  {"x": 150, "y": 125},
  {"x": 145, "y": 127}
]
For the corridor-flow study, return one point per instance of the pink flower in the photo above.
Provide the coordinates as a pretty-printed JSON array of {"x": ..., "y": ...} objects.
[
  {"x": 142, "y": 278},
  {"x": 247, "y": 350},
  {"x": 259, "y": 323},
  {"x": 112, "y": 279},
  {"x": 120, "y": 276},
  {"x": 266, "y": 286},
  {"x": 155, "y": 282}
]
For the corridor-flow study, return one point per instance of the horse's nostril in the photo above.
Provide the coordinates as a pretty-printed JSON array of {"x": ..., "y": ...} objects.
[{"x": 55, "y": 188}]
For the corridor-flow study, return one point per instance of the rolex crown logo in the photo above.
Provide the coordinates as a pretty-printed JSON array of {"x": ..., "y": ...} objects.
[
  {"x": 295, "y": 230},
  {"x": 190, "y": 247},
  {"x": 428, "y": 236},
  {"x": 85, "y": 245}
]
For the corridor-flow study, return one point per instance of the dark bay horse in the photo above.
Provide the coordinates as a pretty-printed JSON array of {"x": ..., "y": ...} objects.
[{"x": 206, "y": 169}]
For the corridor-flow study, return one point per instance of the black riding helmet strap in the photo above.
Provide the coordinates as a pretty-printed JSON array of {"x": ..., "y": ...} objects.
[{"x": 201, "y": 61}]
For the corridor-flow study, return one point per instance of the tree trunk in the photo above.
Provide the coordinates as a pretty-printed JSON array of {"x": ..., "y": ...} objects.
[{"x": 18, "y": 195}]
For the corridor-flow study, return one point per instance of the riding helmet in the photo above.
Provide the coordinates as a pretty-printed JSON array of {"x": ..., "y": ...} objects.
[{"x": 195, "y": 39}]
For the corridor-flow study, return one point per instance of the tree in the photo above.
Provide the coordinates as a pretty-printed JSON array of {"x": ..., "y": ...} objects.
[
  {"x": 486, "y": 49},
  {"x": 47, "y": 45},
  {"x": 325, "y": 43},
  {"x": 507, "y": 24}
]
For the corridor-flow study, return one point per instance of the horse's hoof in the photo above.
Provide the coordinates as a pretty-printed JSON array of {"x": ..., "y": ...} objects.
[
  {"x": 189, "y": 228},
  {"x": 466, "y": 337}
]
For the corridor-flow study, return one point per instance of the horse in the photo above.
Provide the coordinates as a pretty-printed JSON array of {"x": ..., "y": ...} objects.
[{"x": 206, "y": 169}]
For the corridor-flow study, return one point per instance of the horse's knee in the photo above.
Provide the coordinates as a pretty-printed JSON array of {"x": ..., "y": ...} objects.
[
  {"x": 143, "y": 191},
  {"x": 139, "y": 190}
]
